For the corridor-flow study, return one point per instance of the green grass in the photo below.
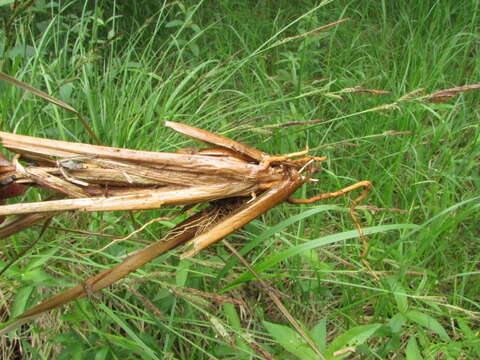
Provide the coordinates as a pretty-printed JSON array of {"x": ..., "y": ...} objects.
[{"x": 223, "y": 66}]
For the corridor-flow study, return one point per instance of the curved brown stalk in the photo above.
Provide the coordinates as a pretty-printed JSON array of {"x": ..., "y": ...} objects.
[{"x": 367, "y": 186}]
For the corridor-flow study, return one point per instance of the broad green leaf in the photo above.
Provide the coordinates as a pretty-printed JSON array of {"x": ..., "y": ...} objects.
[
  {"x": 195, "y": 49},
  {"x": 21, "y": 299},
  {"x": 6, "y": 2},
  {"x": 66, "y": 91},
  {"x": 102, "y": 354},
  {"x": 463, "y": 325},
  {"x": 72, "y": 346},
  {"x": 291, "y": 341},
  {"x": 396, "y": 323},
  {"x": 353, "y": 337},
  {"x": 428, "y": 322},
  {"x": 39, "y": 277},
  {"x": 319, "y": 335},
  {"x": 234, "y": 321},
  {"x": 40, "y": 259},
  {"x": 399, "y": 294},
  {"x": 195, "y": 28},
  {"x": 232, "y": 316},
  {"x": 22, "y": 51},
  {"x": 182, "y": 272},
  {"x": 412, "y": 352}
]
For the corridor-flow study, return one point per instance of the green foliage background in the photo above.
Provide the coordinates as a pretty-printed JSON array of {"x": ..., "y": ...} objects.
[{"x": 242, "y": 69}]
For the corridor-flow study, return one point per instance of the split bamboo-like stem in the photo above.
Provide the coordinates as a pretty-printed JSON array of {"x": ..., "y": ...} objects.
[
  {"x": 148, "y": 199},
  {"x": 200, "y": 163}
]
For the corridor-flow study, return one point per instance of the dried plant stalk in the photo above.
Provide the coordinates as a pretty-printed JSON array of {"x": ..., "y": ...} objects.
[
  {"x": 124, "y": 179},
  {"x": 239, "y": 182},
  {"x": 19, "y": 223}
]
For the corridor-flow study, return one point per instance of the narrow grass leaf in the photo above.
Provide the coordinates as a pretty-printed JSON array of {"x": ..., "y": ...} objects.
[
  {"x": 275, "y": 258},
  {"x": 39, "y": 93},
  {"x": 275, "y": 230},
  {"x": 50, "y": 99},
  {"x": 147, "y": 351},
  {"x": 180, "y": 87},
  {"x": 446, "y": 211}
]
